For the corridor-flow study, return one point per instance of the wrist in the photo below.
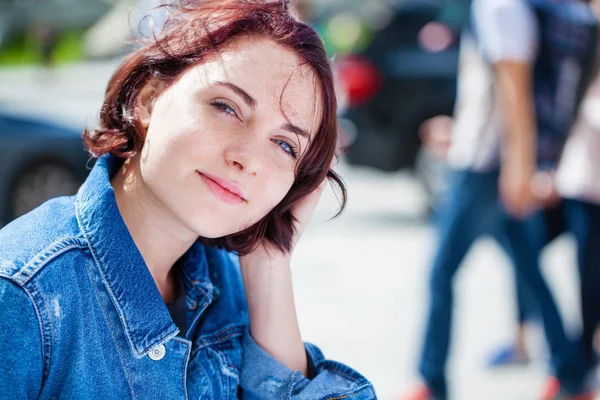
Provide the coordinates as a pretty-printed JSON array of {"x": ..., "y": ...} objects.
[
  {"x": 271, "y": 308},
  {"x": 521, "y": 165},
  {"x": 265, "y": 258},
  {"x": 264, "y": 265}
]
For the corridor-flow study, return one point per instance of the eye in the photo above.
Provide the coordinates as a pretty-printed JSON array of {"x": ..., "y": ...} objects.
[
  {"x": 287, "y": 147},
  {"x": 223, "y": 108}
]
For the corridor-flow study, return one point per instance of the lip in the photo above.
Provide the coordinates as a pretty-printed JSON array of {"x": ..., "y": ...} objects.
[{"x": 223, "y": 189}]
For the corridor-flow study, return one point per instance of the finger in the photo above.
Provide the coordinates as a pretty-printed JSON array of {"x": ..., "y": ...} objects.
[
  {"x": 511, "y": 203},
  {"x": 304, "y": 208}
]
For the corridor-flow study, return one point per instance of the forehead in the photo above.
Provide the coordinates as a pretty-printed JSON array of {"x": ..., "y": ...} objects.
[{"x": 274, "y": 75}]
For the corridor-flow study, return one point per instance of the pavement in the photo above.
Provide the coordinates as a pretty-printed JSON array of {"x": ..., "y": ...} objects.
[{"x": 360, "y": 286}]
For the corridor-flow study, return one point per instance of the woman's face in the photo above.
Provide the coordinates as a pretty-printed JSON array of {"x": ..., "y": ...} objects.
[{"x": 219, "y": 153}]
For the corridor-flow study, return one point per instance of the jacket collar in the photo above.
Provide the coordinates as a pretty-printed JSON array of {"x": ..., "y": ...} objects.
[{"x": 145, "y": 318}]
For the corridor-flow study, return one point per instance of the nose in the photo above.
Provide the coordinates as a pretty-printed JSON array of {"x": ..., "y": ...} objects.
[{"x": 245, "y": 155}]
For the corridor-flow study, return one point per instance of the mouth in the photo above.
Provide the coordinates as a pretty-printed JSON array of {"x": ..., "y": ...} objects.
[{"x": 222, "y": 189}]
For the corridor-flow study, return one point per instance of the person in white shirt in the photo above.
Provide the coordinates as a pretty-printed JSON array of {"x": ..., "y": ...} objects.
[
  {"x": 578, "y": 184},
  {"x": 505, "y": 119}
]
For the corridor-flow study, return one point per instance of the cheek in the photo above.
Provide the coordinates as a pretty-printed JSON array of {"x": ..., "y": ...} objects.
[
  {"x": 182, "y": 137},
  {"x": 270, "y": 192},
  {"x": 163, "y": 138},
  {"x": 174, "y": 118},
  {"x": 274, "y": 188}
]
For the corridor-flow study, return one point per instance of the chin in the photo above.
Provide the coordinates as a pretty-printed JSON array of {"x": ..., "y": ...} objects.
[
  {"x": 213, "y": 225},
  {"x": 200, "y": 228},
  {"x": 211, "y": 234}
]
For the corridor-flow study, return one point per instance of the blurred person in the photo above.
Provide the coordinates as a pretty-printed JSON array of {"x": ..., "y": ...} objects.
[
  {"x": 436, "y": 136},
  {"x": 168, "y": 274},
  {"x": 577, "y": 183},
  {"x": 431, "y": 164},
  {"x": 574, "y": 184},
  {"x": 518, "y": 58},
  {"x": 578, "y": 213}
]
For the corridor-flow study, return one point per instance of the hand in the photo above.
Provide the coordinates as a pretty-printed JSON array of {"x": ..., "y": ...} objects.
[
  {"x": 515, "y": 189},
  {"x": 436, "y": 136},
  {"x": 302, "y": 211},
  {"x": 544, "y": 189}
]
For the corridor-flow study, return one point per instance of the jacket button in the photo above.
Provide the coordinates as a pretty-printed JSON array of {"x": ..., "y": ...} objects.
[{"x": 158, "y": 353}]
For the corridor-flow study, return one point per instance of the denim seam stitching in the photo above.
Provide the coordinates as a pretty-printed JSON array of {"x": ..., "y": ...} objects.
[
  {"x": 218, "y": 337},
  {"x": 354, "y": 391},
  {"x": 221, "y": 360},
  {"x": 54, "y": 250},
  {"x": 294, "y": 380},
  {"x": 46, "y": 332},
  {"x": 111, "y": 328},
  {"x": 334, "y": 369},
  {"x": 316, "y": 357},
  {"x": 161, "y": 340},
  {"x": 185, "y": 364},
  {"x": 46, "y": 355},
  {"x": 345, "y": 375}
]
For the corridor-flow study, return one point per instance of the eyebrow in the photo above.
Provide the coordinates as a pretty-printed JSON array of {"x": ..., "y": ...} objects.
[
  {"x": 252, "y": 103},
  {"x": 296, "y": 130},
  {"x": 249, "y": 100}
]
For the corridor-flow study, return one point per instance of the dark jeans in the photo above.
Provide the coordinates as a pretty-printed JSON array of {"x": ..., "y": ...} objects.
[
  {"x": 554, "y": 226},
  {"x": 582, "y": 220},
  {"x": 470, "y": 210}
]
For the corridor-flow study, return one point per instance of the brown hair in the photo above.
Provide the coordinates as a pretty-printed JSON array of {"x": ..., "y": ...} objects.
[{"x": 196, "y": 30}]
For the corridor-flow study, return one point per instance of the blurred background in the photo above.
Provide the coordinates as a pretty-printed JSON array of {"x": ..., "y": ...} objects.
[{"x": 361, "y": 279}]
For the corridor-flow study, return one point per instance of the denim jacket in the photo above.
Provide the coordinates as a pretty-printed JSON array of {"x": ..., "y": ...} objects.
[{"x": 81, "y": 317}]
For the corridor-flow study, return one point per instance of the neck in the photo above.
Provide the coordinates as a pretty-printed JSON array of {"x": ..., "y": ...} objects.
[{"x": 158, "y": 234}]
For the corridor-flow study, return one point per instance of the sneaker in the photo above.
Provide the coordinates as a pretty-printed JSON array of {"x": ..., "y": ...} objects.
[
  {"x": 552, "y": 391},
  {"x": 420, "y": 392},
  {"x": 508, "y": 356}
]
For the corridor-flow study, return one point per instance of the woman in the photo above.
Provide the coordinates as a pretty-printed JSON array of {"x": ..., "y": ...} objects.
[{"x": 215, "y": 137}]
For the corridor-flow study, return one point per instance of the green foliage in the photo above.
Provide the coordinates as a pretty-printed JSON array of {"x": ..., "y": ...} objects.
[{"x": 26, "y": 48}]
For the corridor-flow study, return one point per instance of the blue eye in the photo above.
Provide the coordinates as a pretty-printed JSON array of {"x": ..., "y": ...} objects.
[
  {"x": 224, "y": 108},
  {"x": 285, "y": 146}
]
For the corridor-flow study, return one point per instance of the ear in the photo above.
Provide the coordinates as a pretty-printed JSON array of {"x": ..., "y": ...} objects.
[{"x": 146, "y": 99}]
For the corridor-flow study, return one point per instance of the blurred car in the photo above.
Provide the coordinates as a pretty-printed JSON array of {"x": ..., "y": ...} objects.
[
  {"x": 405, "y": 75},
  {"x": 18, "y": 15},
  {"x": 46, "y": 32},
  {"x": 39, "y": 160}
]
